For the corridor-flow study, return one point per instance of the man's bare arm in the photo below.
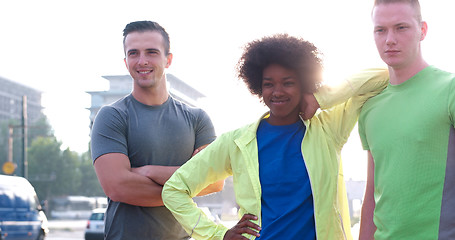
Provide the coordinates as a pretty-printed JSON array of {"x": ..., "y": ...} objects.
[
  {"x": 160, "y": 174},
  {"x": 156, "y": 173},
  {"x": 367, "y": 227},
  {"x": 121, "y": 184}
]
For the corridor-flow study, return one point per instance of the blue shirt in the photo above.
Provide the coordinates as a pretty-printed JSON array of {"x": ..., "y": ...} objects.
[{"x": 287, "y": 202}]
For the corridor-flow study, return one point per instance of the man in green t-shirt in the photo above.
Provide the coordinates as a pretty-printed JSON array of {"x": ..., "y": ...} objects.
[{"x": 408, "y": 130}]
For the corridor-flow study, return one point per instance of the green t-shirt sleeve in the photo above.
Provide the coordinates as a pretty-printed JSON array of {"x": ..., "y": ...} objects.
[
  {"x": 451, "y": 105},
  {"x": 362, "y": 135}
]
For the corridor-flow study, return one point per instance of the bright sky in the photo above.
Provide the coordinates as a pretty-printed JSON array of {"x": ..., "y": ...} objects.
[{"x": 62, "y": 48}]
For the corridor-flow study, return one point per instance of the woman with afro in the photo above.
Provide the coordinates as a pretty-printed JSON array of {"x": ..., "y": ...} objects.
[{"x": 286, "y": 167}]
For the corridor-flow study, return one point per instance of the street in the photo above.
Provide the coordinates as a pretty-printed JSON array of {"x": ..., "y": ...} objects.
[
  {"x": 74, "y": 229},
  {"x": 66, "y": 229}
]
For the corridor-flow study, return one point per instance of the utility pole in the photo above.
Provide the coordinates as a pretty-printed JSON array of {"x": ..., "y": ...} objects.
[
  {"x": 10, "y": 143},
  {"x": 10, "y": 166},
  {"x": 24, "y": 137}
]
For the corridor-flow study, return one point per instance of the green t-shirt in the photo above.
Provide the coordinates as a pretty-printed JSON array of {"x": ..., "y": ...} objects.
[{"x": 407, "y": 128}]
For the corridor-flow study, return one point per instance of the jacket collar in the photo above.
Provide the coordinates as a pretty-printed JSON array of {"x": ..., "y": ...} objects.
[{"x": 250, "y": 133}]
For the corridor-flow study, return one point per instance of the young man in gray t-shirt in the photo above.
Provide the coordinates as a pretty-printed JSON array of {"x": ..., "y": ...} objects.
[{"x": 140, "y": 140}]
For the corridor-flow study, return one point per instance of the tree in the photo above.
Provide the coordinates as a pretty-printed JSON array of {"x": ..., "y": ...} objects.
[
  {"x": 52, "y": 171},
  {"x": 90, "y": 185},
  {"x": 45, "y": 168},
  {"x": 35, "y": 129}
]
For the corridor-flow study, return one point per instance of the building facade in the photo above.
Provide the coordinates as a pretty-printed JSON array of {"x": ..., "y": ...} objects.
[
  {"x": 11, "y": 95},
  {"x": 11, "y": 115}
]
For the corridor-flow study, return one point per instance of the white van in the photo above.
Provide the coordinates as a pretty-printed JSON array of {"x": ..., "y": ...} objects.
[{"x": 21, "y": 215}]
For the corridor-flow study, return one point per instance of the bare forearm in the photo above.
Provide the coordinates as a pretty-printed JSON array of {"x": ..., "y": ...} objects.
[
  {"x": 308, "y": 106},
  {"x": 158, "y": 174},
  {"x": 121, "y": 184},
  {"x": 139, "y": 191},
  {"x": 367, "y": 227}
]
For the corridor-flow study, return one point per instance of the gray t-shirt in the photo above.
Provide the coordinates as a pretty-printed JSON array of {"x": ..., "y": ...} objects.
[{"x": 163, "y": 135}]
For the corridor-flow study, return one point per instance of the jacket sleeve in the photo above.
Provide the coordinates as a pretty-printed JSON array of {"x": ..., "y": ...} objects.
[
  {"x": 342, "y": 103},
  {"x": 208, "y": 166}
]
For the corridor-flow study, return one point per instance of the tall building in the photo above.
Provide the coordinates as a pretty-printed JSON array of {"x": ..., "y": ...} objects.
[
  {"x": 11, "y": 95},
  {"x": 121, "y": 85}
]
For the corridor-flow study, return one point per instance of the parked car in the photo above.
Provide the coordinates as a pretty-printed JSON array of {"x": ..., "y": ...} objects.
[
  {"x": 21, "y": 215},
  {"x": 95, "y": 225}
]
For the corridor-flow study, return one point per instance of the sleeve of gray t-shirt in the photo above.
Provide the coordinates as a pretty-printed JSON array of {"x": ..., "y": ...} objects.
[
  {"x": 108, "y": 133},
  {"x": 205, "y": 132}
]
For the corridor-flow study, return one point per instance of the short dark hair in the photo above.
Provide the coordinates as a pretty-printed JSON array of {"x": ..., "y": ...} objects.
[
  {"x": 414, "y": 3},
  {"x": 289, "y": 52},
  {"x": 142, "y": 26}
]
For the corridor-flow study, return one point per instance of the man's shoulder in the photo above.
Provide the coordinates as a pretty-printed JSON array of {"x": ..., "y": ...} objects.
[
  {"x": 117, "y": 108},
  {"x": 441, "y": 74},
  {"x": 441, "y": 80},
  {"x": 182, "y": 106},
  {"x": 120, "y": 103}
]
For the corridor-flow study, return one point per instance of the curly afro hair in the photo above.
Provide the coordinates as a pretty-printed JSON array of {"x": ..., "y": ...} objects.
[{"x": 290, "y": 52}]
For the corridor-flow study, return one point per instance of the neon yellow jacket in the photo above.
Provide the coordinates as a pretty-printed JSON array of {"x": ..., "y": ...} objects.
[{"x": 235, "y": 153}]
